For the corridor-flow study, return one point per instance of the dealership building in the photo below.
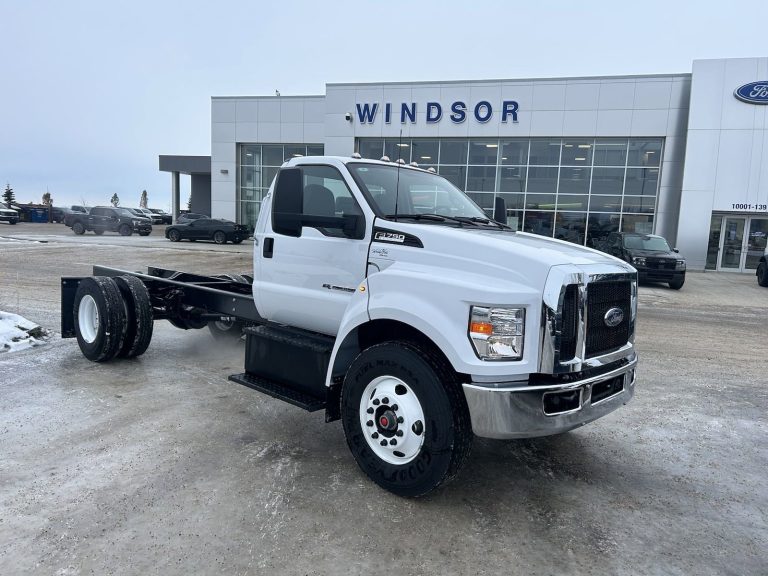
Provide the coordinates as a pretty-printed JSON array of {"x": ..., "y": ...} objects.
[{"x": 680, "y": 155}]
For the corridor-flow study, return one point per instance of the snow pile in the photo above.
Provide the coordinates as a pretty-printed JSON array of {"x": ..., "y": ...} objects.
[{"x": 18, "y": 333}]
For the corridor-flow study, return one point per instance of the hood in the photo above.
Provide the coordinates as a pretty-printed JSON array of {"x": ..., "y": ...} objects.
[
  {"x": 502, "y": 254},
  {"x": 8, "y": 211},
  {"x": 661, "y": 254}
]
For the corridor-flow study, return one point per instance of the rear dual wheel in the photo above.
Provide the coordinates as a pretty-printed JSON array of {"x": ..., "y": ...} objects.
[
  {"x": 762, "y": 274},
  {"x": 113, "y": 317}
]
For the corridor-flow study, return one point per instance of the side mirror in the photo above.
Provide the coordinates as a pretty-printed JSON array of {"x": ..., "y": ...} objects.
[
  {"x": 500, "y": 210},
  {"x": 288, "y": 203},
  {"x": 675, "y": 250}
]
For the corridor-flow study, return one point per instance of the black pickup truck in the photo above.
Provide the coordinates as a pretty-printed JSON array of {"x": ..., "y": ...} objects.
[
  {"x": 108, "y": 219},
  {"x": 654, "y": 260}
]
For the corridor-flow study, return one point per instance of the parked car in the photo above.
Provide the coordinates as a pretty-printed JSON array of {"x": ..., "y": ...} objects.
[
  {"x": 651, "y": 255},
  {"x": 147, "y": 213},
  {"x": 110, "y": 219},
  {"x": 166, "y": 218},
  {"x": 762, "y": 270},
  {"x": 189, "y": 217},
  {"x": 220, "y": 231},
  {"x": 8, "y": 215},
  {"x": 74, "y": 210},
  {"x": 59, "y": 213}
]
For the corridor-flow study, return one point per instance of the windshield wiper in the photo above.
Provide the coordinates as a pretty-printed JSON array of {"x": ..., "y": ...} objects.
[
  {"x": 479, "y": 220},
  {"x": 433, "y": 217}
]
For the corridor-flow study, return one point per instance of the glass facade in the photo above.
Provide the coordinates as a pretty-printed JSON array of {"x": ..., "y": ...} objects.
[
  {"x": 575, "y": 189},
  {"x": 257, "y": 167}
]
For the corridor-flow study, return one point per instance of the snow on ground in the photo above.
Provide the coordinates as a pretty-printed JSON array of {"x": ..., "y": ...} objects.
[{"x": 18, "y": 333}]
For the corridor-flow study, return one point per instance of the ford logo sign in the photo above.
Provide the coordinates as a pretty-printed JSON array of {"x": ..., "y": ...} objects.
[
  {"x": 613, "y": 317},
  {"x": 754, "y": 92}
]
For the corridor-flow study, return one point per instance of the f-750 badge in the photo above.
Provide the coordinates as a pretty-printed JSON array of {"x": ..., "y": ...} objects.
[{"x": 390, "y": 237}]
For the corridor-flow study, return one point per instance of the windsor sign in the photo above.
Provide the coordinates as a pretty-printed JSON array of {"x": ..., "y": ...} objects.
[{"x": 457, "y": 112}]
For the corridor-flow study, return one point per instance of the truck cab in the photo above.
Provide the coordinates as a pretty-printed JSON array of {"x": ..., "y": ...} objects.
[{"x": 534, "y": 335}]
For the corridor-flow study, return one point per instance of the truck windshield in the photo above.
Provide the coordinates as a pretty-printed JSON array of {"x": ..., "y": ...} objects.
[
  {"x": 652, "y": 243},
  {"x": 413, "y": 192}
]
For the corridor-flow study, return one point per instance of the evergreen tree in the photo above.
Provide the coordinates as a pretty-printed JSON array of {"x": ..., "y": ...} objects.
[
  {"x": 8, "y": 196},
  {"x": 144, "y": 199},
  {"x": 189, "y": 203},
  {"x": 47, "y": 200},
  {"x": 115, "y": 200}
]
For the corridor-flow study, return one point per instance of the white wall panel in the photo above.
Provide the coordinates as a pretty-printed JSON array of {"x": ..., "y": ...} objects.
[
  {"x": 222, "y": 110},
  {"x": 339, "y": 100},
  {"x": 649, "y": 122},
  {"x": 269, "y": 132},
  {"x": 701, "y": 160},
  {"x": 732, "y": 176},
  {"x": 617, "y": 95},
  {"x": 223, "y": 132},
  {"x": 580, "y": 123},
  {"x": 582, "y": 96},
  {"x": 292, "y": 133},
  {"x": 314, "y": 132},
  {"x": 652, "y": 94},
  {"x": 269, "y": 110},
  {"x": 548, "y": 96},
  {"x": 247, "y": 132},
  {"x": 547, "y": 122},
  {"x": 223, "y": 151},
  {"x": 614, "y": 122},
  {"x": 706, "y": 94},
  {"x": 247, "y": 110},
  {"x": 223, "y": 209},
  {"x": 291, "y": 111}
]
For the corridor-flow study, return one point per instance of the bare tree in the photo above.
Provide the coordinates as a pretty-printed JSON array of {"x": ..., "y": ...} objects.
[{"x": 144, "y": 199}]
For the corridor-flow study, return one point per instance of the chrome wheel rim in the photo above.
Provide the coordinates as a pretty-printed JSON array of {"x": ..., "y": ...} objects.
[{"x": 392, "y": 420}]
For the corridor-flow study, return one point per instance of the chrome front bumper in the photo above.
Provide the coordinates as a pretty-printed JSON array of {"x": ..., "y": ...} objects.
[{"x": 518, "y": 411}]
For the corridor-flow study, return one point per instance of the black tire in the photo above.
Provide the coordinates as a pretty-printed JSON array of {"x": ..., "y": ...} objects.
[
  {"x": 138, "y": 316},
  {"x": 12, "y": 222},
  {"x": 144, "y": 233},
  {"x": 125, "y": 230},
  {"x": 447, "y": 432},
  {"x": 226, "y": 329},
  {"x": 78, "y": 228},
  {"x": 98, "y": 232},
  {"x": 677, "y": 284},
  {"x": 762, "y": 274},
  {"x": 174, "y": 235},
  {"x": 219, "y": 237},
  {"x": 237, "y": 241},
  {"x": 102, "y": 339},
  {"x": 248, "y": 278}
]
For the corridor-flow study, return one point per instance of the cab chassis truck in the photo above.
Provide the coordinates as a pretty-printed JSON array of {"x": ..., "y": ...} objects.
[{"x": 382, "y": 294}]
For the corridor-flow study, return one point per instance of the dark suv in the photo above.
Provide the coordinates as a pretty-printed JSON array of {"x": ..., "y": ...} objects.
[
  {"x": 108, "y": 219},
  {"x": 654, "y": 260}
]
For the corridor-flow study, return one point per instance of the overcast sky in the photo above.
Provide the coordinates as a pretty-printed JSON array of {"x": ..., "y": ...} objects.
[{"x": 92, "y": 92}]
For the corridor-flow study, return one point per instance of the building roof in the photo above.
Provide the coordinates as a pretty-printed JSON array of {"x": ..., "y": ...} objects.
[{"x": 185, "y": 164}]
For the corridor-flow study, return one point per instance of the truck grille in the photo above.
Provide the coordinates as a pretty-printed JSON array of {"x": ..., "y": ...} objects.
[
  {"x": 660, "y": 264},
  {"x": 601, "y": 297}
]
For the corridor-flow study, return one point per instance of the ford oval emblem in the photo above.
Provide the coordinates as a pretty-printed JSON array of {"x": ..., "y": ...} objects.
[
  {"x": 613, "y": 317},
  {"x": 754, "y": 92}
]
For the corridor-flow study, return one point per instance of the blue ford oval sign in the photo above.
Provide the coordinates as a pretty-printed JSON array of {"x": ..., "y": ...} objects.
[{"x": 754, "y": 92}]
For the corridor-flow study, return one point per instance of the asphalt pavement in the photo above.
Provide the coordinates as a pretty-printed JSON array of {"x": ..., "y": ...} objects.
[{"x": 159, "y": 465}]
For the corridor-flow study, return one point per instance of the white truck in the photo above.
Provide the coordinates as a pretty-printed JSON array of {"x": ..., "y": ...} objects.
[{"x": 382, "y": 294}]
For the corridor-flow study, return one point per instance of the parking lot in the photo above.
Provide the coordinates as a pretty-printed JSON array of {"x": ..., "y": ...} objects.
[{"x": 159, "y": 465}]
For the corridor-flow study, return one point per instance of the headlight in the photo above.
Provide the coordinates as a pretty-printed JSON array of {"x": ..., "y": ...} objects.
[
  {"x": 497, "y": 333},
  {"x": 135, "y": 222},
  {"x": 680, "y": 265},
  {"x": 640, "y": 261}
]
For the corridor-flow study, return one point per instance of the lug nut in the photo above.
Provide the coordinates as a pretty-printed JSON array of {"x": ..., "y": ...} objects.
[
  {"x": 375, "y": 435},
  {"x": 385, "y": 400},
  {"x": 400, "y": 420},
  {"x": 399, "y": 432},
  {"x": 395, "y": 407},
  {"x": 393, "y": 442},
  {"x": 376, "y": 402},
  {"x": 369, "y": 423},
  {"x": 370, "y": 410},
  {"x": 383, "y": 442}
]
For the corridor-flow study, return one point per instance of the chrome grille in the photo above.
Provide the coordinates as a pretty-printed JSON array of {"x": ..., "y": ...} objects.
[
  {"x": 601, "y": 297},
  {"x": 569, "y": 330}
]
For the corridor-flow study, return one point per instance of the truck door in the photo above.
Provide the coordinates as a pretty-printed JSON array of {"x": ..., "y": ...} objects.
[{"x": 307, "y": 271}]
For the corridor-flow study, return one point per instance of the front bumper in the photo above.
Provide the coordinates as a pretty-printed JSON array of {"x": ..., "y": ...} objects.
[
  {"x": 525, "y": 411},
  {"x": 142, "y": 228},
  {"x": 659, "y": 275}
]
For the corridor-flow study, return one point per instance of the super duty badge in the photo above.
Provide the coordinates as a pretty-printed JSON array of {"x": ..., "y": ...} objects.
[{"x": 390, "y": 237}]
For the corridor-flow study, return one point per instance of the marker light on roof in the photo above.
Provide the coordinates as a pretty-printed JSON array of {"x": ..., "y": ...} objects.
[
  {"x": 356, "y": 156},
  {"x": 385, "y": 159}
]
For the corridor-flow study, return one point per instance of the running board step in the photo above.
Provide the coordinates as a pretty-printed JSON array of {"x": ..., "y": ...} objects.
[{"x": 280, "y": 391}]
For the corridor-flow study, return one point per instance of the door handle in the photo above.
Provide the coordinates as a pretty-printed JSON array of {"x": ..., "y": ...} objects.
[{"x": 269, "y": 244}]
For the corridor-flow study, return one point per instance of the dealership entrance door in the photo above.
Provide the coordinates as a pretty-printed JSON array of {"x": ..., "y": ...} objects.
[{"x": 736, "y": 243}]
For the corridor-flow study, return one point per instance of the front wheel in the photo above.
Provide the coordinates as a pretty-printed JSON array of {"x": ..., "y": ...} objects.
[
  {"x": 219, "y": 237},
  {"x": 677, "y": 284},
  {"x": 78, "y": 228},
  {"x": 174, "y": 235},
  {"x": 405, "y": 418},
  {"x": 125, "y": 230},
  {"x": 762, "y": 274}
]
